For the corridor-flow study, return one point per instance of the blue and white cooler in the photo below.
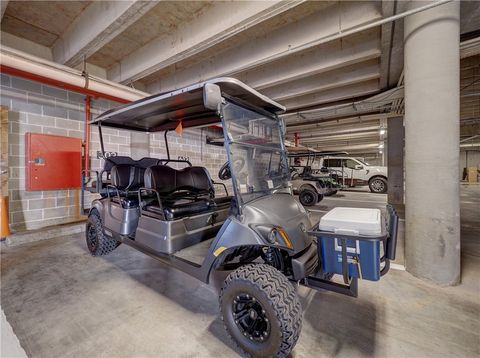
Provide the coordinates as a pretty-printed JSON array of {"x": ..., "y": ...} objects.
[{"x": 350, "y": 240}]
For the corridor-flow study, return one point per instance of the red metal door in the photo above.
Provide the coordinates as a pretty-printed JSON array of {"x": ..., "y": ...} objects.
[{"x": 53, "y": 162}]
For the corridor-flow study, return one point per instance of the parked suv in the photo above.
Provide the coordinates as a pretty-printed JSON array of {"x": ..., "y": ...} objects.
[{"x": 352, "y": 171}]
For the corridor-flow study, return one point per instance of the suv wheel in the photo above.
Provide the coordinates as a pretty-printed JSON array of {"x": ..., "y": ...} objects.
[
  {"x": 308, "y": 197},
  {"x": 261, "y": 311},
  {"x": 378, "y": 185},
  {"x": 98, "y": 244}
]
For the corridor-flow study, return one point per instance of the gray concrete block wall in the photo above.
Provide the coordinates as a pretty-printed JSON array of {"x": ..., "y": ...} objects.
[
  {"x": 43, "y": 109},
  {"x": 37, "y": 108}
]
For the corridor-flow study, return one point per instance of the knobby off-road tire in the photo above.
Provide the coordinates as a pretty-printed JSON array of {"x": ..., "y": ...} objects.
[
  {"x": 261, "y": 311},
  {"x": 98, "y": 244},
  {"x": 308, "y": 197}
]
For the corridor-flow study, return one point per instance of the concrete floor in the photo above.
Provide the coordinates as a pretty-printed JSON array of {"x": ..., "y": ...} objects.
[{"x": 62, "y": 302}]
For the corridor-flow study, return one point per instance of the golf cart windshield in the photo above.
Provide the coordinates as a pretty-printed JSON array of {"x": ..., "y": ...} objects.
[{"x": 258, "y": 160}]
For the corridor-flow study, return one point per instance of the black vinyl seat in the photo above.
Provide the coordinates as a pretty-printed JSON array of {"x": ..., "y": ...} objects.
[
  {"x": 183, "y": 192},
  {"x": 127, "y": 179},
  {"x": 179, "y": 209}
]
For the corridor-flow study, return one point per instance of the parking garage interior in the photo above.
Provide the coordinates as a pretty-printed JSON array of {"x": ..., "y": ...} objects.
[{"x": 378, "y": 105}]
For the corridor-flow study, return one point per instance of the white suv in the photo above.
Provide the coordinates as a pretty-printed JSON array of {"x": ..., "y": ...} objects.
[{"x": 356, "y": 172}]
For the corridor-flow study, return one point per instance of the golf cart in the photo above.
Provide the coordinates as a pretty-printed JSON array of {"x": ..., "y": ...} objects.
[
  {"x": 311, "y": 185},
  {"x": 260, "y": 238}
]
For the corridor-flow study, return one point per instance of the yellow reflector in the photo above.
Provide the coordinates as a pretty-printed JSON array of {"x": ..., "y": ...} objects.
[
  {"x": 285, "y": 238},
  {"x": 219, "y": 251}
]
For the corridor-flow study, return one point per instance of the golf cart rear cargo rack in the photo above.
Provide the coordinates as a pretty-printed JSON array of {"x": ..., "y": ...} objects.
[{"x": 350, "y": 283}]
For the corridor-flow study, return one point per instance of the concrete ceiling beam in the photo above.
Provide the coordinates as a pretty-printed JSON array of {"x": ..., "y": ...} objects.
[
  {"x": 3, "y": 7},
  {"x": 341, "y": 129},
  {"x": 293, "y": 38},
  {"x": 362, "y": 88},
  {"x": 338, "y": 78},
  {"x": 334, "y": 55},
  {"x": 210, "y": 27},
  {"x": 470, "y": 48},
  {"x": 294, "y": 124},
  {"x": 370, "y": 136},
  {"x": 98, "y": 24},
  {"x": 345, "y": 147}
]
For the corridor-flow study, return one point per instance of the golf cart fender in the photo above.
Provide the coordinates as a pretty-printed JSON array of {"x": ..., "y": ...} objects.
[
  {"x": 232, "y": 235},
  {"x": 98, "y": 204},
  {"x": 307, "y": 186}
]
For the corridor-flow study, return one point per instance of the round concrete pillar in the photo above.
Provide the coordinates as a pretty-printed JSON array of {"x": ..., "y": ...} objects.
[{"x": 432, "y": 107}]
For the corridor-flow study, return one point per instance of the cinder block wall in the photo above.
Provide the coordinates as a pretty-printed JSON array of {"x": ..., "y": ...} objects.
[{"x": 38, "y": 108}]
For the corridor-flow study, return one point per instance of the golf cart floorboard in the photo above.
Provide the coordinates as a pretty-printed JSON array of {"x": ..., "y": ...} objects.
[{"x": 195, "y": 253}]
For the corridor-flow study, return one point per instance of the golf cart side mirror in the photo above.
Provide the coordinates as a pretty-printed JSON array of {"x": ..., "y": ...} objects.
[
  {"x": 358, "y": 167},
  {"x": 212, "y": 96}
]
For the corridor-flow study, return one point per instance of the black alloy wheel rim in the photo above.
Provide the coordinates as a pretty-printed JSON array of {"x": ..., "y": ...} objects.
[
  {"x": 250, "y": 318},
  {"x": 308, "y": 198}
]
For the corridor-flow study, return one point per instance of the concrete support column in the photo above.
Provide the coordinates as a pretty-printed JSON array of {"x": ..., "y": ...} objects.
[
  {"x": 395, "y": 144},
  {"x": 432, "y": 65}
]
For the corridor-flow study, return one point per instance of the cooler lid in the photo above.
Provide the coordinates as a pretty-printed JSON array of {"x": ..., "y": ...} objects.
[{"x": 352, "y": 221}]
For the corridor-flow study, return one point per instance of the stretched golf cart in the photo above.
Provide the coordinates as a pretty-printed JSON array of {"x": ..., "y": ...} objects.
[{"x": 260, "y": 236}]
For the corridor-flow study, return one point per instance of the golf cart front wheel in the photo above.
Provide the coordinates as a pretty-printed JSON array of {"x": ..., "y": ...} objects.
[
  {"x": 308, "y": 197},
  {"x": 98, "y": 244},
  {"x": 261, "y": 311},
  {"x": 378, "y": 185}
]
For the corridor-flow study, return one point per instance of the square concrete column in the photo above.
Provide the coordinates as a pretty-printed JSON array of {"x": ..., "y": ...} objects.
[
  {"x": 432, "y": 210},
  {"x": 395, "y": 145}
]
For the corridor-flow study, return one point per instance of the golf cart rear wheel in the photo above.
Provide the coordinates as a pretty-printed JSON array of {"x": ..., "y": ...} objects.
[
  {"x": 308, "y": 197},
  {"x": 261, "y": 311},
  {"x": 98, "y": 244},
  {"x": 378, "y": 185}
]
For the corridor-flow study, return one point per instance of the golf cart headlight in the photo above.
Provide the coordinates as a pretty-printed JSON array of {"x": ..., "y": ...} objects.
[{"x": 279, "y": 236}]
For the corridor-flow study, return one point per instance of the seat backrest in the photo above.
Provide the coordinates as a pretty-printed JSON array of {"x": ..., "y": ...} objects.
[
  {"x": 167, "y": 180},
  {"x": 110, "y": 162},
  {"x": 127, "y": 177}
]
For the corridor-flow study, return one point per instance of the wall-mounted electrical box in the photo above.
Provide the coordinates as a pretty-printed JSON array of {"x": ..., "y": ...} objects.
[{"x": 52, "y": 162}]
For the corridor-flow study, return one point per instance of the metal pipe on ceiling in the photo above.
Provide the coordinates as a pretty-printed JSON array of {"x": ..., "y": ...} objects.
[
  {"x": 343, "y": 33},
  {"x": 367, "y": 119},
  {"x": 17, "y": 63},
  {"x": 345, "y": 130}
]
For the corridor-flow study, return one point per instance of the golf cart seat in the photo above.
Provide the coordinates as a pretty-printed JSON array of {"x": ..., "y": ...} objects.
[
  {"x": 183, "y": 192},
  {"x": 104, "y": 176},
  {"x": 127, "y": 179}
]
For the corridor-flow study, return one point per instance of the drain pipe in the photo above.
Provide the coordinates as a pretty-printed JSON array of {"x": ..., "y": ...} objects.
[
  {"x": 20, "y": 64},
  {"x": 87, "y": 135}
]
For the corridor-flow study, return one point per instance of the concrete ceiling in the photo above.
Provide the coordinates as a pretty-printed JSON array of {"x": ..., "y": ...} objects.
[
  {"x": 42, "y": 22},
  {"x": 163, "y": 19},
  {"x": 282, "y": 48}
]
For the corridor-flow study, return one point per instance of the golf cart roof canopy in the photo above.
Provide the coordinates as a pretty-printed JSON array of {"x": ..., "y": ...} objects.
[{"x": 192, "y": 106}]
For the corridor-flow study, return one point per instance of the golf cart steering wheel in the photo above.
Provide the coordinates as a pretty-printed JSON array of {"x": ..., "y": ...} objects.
[{"x": 224, "y": 172}]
